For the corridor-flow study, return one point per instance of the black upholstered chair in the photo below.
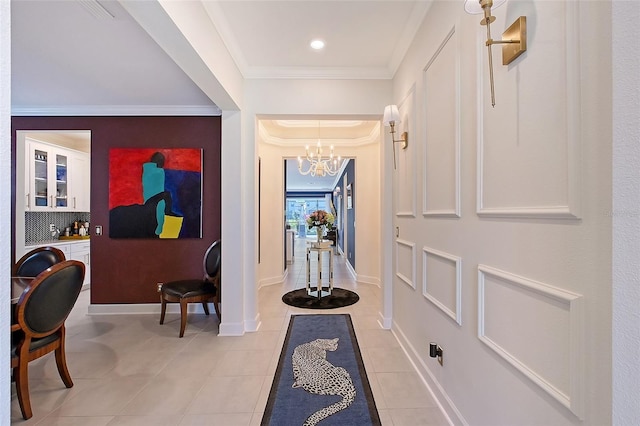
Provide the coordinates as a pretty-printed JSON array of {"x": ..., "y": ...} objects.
[
  {"x": 39, "y": 329},
  {"x": 203, "y": 290},
  {"x": 36, "y": 261}
]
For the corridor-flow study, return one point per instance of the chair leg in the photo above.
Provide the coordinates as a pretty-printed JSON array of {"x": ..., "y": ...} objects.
[
  {"x": 183, "y": 316},
  {"x": 21, "y": 375},
  {"x": 61, "y": 362},
  {"x": 205, "y": 306},
  {"x": 216, "y": 308},
  {"x": 163, "y": 309}
]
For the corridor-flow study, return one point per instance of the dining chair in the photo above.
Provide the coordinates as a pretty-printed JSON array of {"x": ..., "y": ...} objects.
[
  {"x": 36, "y": 261},
  {"x": 40, "y": 315},
  {"x": 203, "y": 290}
]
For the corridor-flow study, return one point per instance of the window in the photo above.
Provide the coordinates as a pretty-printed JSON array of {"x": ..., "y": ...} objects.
[{"x": 298, "y": 208}]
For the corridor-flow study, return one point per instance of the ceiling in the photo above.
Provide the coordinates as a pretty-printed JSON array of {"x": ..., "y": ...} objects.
[
  {"x": 92, "y": 57},
  {"x": 341, "y": 134}
]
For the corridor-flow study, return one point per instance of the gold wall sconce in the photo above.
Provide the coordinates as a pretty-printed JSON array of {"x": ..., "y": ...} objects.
[
  {"x": 390, "y": 119},
  {"x": 514, "y": 39}
]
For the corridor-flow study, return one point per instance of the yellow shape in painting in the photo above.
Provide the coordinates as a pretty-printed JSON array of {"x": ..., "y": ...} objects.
[{"x": 172, "y": 226}]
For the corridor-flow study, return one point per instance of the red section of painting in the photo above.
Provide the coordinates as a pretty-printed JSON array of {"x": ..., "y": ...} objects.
[{"x": 125, "y": 170}]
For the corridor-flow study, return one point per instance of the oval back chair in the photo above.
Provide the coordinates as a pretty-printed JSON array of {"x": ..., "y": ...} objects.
[
  {"x": 39, "y": 329},
  {"x": 36, "y": 261},
  {"x": 204, "y": 290}
]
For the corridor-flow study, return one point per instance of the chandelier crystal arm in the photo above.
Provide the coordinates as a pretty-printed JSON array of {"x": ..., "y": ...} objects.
[{"x": 318, "y": 166}]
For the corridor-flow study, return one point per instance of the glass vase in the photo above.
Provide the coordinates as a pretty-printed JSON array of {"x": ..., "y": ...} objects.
[{"x": 319, "y": 233}]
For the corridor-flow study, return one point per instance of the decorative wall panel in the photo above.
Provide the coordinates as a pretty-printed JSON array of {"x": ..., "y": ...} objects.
[
  {"x": 406, "y": 262},
  {"x": 405, "y": 187},
  {"x": 442, "y": 281},
  {"x": 537, "y": 328},
  {"x": 441, "y": 167},
  {"x": 528, "y": 156}
]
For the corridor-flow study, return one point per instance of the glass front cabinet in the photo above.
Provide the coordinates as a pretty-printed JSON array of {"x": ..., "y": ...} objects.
[{"x": 49, "y": 170}]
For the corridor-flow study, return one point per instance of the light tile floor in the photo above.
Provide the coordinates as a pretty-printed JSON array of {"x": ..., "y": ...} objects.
[{"x": 129, "y": 370}]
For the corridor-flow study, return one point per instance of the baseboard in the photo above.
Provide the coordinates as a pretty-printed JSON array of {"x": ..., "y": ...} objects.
[
  {"x": 254, "y": 324},
  {"x": 140, "y": 308},
  {"x": 231, "y": 329},
  {"x": 445, "y": 404},
  {"x": 385, "y": 322},
  {"x": 364, "y": 279},
  {"x": 273, "y": 280},
  {"x": 351, "y": 271},
  {"x": 226, "y": 329}
]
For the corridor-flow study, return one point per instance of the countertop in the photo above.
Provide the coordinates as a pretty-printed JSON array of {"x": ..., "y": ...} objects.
[{"x": 67, "y": 240}]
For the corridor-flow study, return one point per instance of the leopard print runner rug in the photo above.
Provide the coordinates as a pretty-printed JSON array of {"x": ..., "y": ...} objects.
[{"x": 320, "y": 377}]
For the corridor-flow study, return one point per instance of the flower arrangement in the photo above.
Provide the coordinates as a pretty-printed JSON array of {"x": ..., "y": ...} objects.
[{"x": 319, "y": 218}]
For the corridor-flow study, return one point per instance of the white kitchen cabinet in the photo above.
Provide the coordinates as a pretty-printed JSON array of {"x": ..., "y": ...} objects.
[
  {"x": 57, "y": 179},
  {"x": 80, "y": 181},
  {"x": 47, "y": 178},
  {"x": 81, "y": 251}
]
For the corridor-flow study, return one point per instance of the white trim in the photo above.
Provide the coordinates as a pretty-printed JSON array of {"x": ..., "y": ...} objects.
[
  {"x": 406, "y": 214},
  {"x": 572, "y": 94},
  {"x": 456, "y": 211},
  {"x": 364, "y": 279},
  {"x": 139, "y": 308},
  {"x": 266, "y": 137},
  {"x": 231, "y": 329},
  {"x": 574, "y": 401},
  {"x": 117, "y": 110},
  {"x": 384, "y": 322},
  {"x": 410, "y": 100},
  {"x": 410, "y": 281},
  {"x": 555, "y": 212},
  {"x": 352, "y": 272},
  {"x": 457, "y": 263},
  {"x": 254, "y": 324},
  {"x": 443, "y": 401},
  {"x": 265, "y": 282}
]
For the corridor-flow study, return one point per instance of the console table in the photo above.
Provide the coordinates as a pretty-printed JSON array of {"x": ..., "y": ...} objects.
[{"x": 319, "y": 292}]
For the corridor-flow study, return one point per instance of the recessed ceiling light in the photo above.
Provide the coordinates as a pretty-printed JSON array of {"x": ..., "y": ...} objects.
[{"x": 317, "y": 44}]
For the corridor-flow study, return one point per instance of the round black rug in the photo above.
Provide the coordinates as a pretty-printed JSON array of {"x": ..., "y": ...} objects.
[{"x": 339, "y": 297}]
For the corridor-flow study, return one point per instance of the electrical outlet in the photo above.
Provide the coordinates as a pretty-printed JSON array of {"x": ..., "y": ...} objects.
[
  {"x": 159, "y": 287},
  {"x": 52, "y": 227},
  {"x": 435, "y": 351}
]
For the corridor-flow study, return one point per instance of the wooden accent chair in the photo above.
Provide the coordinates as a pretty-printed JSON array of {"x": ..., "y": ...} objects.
[
  {"x": 204, "y": 290},
  {"x": 39, "y": 329},
  {"x": 36, "y": 261}
]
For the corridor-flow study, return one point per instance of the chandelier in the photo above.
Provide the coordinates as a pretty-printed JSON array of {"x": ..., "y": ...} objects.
[{"x": 317, "y": 165}]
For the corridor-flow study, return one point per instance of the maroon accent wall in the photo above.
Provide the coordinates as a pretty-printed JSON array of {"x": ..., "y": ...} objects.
[{"x": 127, "y": 270}]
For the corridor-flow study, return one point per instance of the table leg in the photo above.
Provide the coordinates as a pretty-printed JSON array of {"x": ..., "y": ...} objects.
[
  {"x": 308, "y": 272},
  {"x": 319, "y": 274},
  {"x": 330, "y": 271}
]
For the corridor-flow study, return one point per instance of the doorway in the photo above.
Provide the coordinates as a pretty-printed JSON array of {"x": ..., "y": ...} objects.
[{"x": 53, "y": 192}]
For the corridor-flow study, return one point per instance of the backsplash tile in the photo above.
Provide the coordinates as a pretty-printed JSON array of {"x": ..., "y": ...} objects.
[{"x": 36, "y": 224}]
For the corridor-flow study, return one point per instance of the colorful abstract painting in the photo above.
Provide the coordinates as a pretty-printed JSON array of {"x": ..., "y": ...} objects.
[{"x": 155, "y": 193}]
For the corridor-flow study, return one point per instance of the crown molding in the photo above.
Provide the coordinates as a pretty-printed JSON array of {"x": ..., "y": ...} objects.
[
  {"x": 119, "y": 110},
  {"x": 372, "y": 137},
  {"x": 304, "y": 73}
]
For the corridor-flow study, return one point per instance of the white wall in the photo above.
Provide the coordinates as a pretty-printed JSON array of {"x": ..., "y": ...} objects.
[
  {"x": 504, "y": 253},
  {"x": 5, "y": 204},
  {"x": 626, "y": 213}
]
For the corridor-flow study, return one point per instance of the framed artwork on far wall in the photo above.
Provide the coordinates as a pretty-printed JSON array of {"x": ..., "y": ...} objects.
[
  {"x": 155, "y": 193},
  {"x": 349, "y": 196}
]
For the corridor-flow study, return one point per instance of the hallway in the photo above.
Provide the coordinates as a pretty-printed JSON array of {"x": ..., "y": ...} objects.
[{"x": 129, "y": 370}]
